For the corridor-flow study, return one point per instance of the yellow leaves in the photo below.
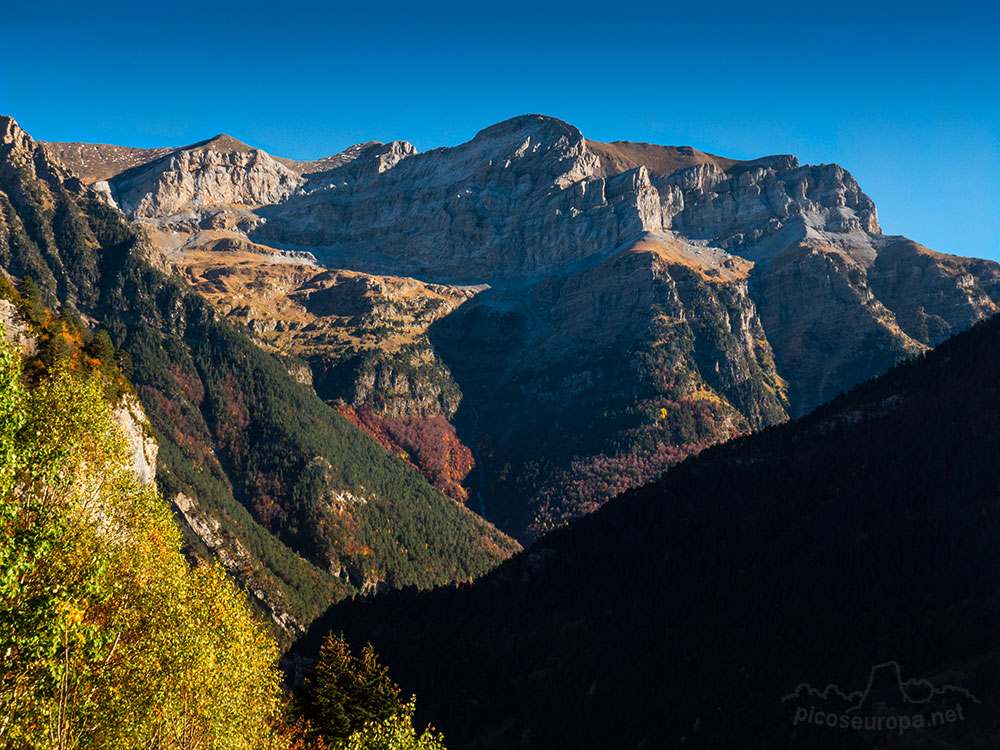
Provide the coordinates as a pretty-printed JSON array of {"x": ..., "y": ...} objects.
[
  {"x": 703, "y": 393},
  {"x": 147, "y": 651},
  {"x": 71, "y": 614}
]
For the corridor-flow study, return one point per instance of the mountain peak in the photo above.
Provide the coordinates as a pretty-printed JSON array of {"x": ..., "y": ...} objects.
[
  {"x": 528, "y": 125},
  {"x": 222, "y": 143},
  {"x": 11, "y": 132}
]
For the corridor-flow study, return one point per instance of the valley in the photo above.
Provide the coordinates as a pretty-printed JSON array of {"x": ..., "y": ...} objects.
[
  {"x": 456, "y": 376},
  {"x": 300, "y": 506}
]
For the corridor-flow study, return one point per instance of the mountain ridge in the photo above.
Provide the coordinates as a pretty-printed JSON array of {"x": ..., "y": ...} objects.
[
  {"x": 662, "y": 160},
  {"x": 770, "y": 288},
  {"x": 100, "y": 162}
]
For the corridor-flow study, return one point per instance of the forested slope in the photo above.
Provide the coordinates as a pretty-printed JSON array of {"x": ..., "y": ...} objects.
[{"x": 109, "y": 638}]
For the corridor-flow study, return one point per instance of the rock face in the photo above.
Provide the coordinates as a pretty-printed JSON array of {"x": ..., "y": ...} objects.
[
  {"x": 586, "y": 313},
  {"x": 741, "y": 207},
  {"x": 220, "y": 170},
  {"x": 16, "y": 331},
  {"x": 523, "y": 197},
  {"x": 139, "y": 433}
]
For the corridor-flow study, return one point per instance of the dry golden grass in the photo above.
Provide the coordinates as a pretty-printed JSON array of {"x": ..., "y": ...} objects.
[
  {"x": 621, "y": 156},
  {"x": 302, "y": 308},
  {"x": 676, "y": 253},
  {"x": 92, "y": 162}
]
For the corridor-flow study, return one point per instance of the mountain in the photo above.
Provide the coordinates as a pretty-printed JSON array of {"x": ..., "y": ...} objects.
[
  {"x": 845, "y": 549},
  {"x": 538, "y": 321},
  {"x": 299, "y": 505}
]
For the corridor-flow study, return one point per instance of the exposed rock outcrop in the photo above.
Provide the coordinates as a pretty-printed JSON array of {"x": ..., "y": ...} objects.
[
  {"x": 221, "y": 170},
  {"x": 135, "y": 425},
  {"x": 16, "y": 331},
  {"x": 235, "y": 559},
  {"x": 521, "y": 198}
]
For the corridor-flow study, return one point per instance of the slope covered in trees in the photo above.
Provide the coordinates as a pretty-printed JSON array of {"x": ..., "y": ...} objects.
[
  {"x": 109, "y": 639},
  {"x": 680, "y": 614},
  {"x": 298, "y": 504}
]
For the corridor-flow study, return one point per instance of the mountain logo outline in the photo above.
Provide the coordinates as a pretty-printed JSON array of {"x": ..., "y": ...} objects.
[{"x": 914, "y": 692}]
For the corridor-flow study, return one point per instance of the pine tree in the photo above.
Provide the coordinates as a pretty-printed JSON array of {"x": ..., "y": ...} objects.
[{"x": 343, "y": 692}]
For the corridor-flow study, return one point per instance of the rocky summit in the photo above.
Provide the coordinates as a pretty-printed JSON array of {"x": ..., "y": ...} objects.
[{"x": 538, "y": 321}]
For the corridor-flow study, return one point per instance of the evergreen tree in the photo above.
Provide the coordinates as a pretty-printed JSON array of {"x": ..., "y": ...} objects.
[
  {"x": 343, "y": 692},
  {"x": 100, "y": 347},
  {"x": 32, "y": 306}
]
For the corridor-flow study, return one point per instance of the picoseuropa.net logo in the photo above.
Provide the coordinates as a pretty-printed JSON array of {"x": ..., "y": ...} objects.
[{"x": 887, "y": 703}]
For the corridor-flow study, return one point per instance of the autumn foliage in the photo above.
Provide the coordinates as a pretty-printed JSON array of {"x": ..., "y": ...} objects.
[
  {"x": 430, "y": 444},
  {"x": 108, "y": 638}
]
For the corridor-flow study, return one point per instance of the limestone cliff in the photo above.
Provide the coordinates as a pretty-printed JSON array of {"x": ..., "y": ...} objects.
[
  {"x": 218, "y": 171},
  {"x": 138, "y": 431},
  {"x": 523, "y": 197}
]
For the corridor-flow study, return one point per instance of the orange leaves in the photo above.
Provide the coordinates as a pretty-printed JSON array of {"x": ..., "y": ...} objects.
[{"x": 429, "y": 444}]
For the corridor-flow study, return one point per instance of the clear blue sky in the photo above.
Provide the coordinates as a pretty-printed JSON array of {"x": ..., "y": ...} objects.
[{"x": 904, "y": 95}]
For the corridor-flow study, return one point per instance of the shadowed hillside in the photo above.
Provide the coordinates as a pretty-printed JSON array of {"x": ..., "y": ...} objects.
[{"x": 681, "y": 613}]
